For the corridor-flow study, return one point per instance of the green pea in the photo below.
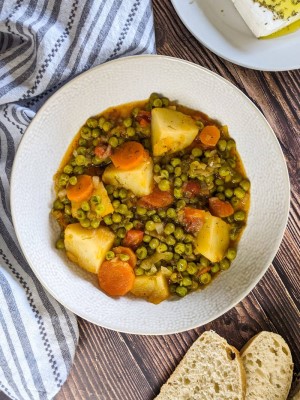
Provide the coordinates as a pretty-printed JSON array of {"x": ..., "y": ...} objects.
[
  {"x": 92, "y": 215},
  {"x": 139, "y": 271},
  {"x": 180, "y": 204},
  {"x": 113, "y": 141},
  {"x": 188, "y": 249},
  {"x": 107, "y": 126},
  {"x": 181, "y": 291},
  {"x": 154, "y": 243},
  {"x": 228, "y": 193},
  {"x": 177, "y": 171},
  {"x": 95, "y": 223},
  {"x": 165, "y": 101},
  {"x": 224, "y": 264},
  {"x": 197, "y": 152},
  {"x": 60, "y": 245},
  {"x": 85, "y": 206},
  {"x": 141, "y": 210},
  {"x": 156, "y": 168},
  {"x": 164, "y": 173},
  {"x": 177, "y": 182},
  {"x": 204, "y": 261},
  {"x": 175, "y": 162},
  {"x": 116, "y": 217},
  {"x": 63, "y": 180},
  {"x": 121, "y": 232},
  {"x": 80, "y": 214},
  {"x": 170, "y": 240},
  {"x": 215, "y": 268},
  {"x": 80, "y": 160},
  {"x": 68, "y": 169},
  {"x": 219, "y": 182},
  {"x": 224, "y": 171},
  {"x": 82, "y": 142},
  {"x": 122, "y": 209},
  {"x": 162, "y": 213},
  {"x": 200, "y": 125},
  {"x": 116, "y": 204},
  {"x": 95, "y": 200},
  {"x": 130, "y": 131},
  {"x": 169, "y": 228},
  {"x": 128, "y": 226},
  {"x": 161, "y": 248},
  {"x": 170, "y": 168},
  {"x": 245, "y": 185},
  {"x": 141, "y": 253},
  {"x": 164, "y": 185},
  {"x": 186, "y": 281},
  {"x": 156, "y": 218},
  {"x": 179, "y": 234},
  {"x": 239, "y": 215},
  {"x": 234, "y": 201},
  {"x": 157, "y": 103},
  {"x": 239, "y": 192},
  {"x": 99, "y": 208},
  {"x": 123, "y": 193},
  {"x": 110, "y": 255},
  {"x": 231, "y": 254},
  {"x": 192, "y": 268},
  {"x": 116, "y": 193},
  {"x": 147, "y": 238},
  {"x": 127, "y": 122},
  {"x": 222, "y": 144},
  {"x": 92, "y": 123},
  {"x": 150, "y": 226},
  {"x": 101, "y": 122},
  {"x": 184, "y": 177},
  {"x": 231, "y": 162},
  {"x": 188, "y": 238},
  {"x": 230, "y": 144},
  {"x": 181, "y": 265},
  {"x": 86, "y": 132},
  {"x": 110, "y": 189},
  {"x": 236, "y": 178},
  {"x": 179, "y": 248},
  {"x": 220, "y": 188},
  {"x": 174, "y": 277},
  {"x": 205, "y": 278},
  {"x": 85, "y": 223},
  {"x": 58, "y": 205},
  {"x": 171, "y": 213}
]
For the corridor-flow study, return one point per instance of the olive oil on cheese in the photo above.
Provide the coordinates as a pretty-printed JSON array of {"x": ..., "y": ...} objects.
[
  {"x": 284, "y": 31},
  {"x": 282, "y": 9}
]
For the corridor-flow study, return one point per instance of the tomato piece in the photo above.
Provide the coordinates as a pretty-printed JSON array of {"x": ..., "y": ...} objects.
[
  {"x": 195, "y": 188},
  {"x": 102, "y": 151},
  {"x": 220, "y": 208},
  {"x": 133, "y": 238},
  {"x": 145, "y": 115},
  {"x": 156, "y": 199},
  {"x": 193, "y": 219}
]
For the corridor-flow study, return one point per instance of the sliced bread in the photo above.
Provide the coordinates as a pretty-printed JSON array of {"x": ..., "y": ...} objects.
[
  {"x": 269, "y": 367},
  {"x": 210, "y": 370}
]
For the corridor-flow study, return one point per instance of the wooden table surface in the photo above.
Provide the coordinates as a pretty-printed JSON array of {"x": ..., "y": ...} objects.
[{"x": 115, "y": 366}]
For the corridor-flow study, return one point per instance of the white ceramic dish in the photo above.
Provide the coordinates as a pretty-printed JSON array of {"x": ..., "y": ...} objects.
[
  {"x": 219, "y": 27},
  {"x": 122, "y": 81}
]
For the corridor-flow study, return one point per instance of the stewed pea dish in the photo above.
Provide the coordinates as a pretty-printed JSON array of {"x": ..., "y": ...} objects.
[{"x": 152, "y": 197}]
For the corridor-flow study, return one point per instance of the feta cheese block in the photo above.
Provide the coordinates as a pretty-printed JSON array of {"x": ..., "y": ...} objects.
[{"x": 265, "y": 17}]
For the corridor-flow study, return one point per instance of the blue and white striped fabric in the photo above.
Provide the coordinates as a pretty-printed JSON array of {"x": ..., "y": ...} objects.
[{"x": 44, "y": 43}]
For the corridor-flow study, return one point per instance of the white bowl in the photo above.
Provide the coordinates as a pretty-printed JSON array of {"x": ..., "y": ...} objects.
[{"x": 121, "y": 81}]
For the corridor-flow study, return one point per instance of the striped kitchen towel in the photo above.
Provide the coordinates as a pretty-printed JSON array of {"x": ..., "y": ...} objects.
[{"x": 44, "y": 43}]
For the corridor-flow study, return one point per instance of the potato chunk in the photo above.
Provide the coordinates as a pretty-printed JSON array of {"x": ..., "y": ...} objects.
[
  {"x": 213, "y": 238},
  {"x": 171, "y": 131},
  {"x": 105, "y": 202},
  {"x": 88, "y": 247},
  {"x": 139, "y": 179},
  {"x": 153, "y": 288}
]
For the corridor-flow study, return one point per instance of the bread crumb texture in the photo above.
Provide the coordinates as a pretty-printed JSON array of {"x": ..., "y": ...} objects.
[
  {"x": 269, "y": 367},
  {"x": 210, "y": 370}
]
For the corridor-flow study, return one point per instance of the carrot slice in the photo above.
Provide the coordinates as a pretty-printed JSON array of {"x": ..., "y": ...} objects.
[
  {"x": 129, "y": 252},
  {"x": 210, "y": 135},
  {"x": 116, "y": 278},
  {"x": 82, "y": 190},
  {"x": 156, "y": 199},
  {"x": 129, "y": 155},
  {"x": 133, "y": 238},
  {"x": 220, "y": 208}
]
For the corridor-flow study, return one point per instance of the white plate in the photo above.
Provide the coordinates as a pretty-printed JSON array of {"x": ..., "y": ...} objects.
[
  {"x": 122, "y": 81},
  {"x": 219, "y": 26}
]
